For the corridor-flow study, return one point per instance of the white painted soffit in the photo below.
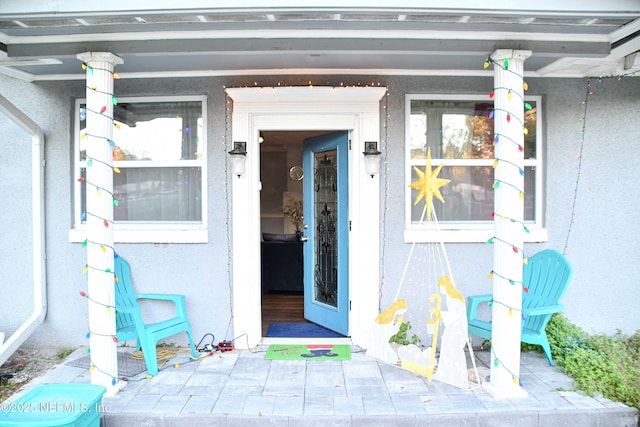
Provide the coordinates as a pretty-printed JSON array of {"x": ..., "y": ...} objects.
[{"x": 38, "y": 8}]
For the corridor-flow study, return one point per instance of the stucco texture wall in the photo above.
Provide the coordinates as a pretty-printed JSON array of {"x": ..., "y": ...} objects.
[{"x": 602, "y": 245}]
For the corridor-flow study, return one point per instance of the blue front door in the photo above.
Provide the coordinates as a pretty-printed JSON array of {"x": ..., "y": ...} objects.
[{"x": 326, "y": 252}]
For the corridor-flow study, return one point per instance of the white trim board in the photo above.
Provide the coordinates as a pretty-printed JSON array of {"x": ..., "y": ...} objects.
[{"x": 355, "y": 109}]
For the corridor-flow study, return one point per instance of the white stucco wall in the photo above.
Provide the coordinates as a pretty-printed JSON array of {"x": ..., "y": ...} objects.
[{"x": 602, "y": 247}]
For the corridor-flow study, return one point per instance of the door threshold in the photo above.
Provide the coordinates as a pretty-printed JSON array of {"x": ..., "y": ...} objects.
[{"x": 279, "y": 340}]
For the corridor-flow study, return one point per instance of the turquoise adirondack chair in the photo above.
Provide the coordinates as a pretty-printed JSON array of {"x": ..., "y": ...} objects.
[
  {"x": 129, "y": 322},
  {"x": 546, "y": 276}
]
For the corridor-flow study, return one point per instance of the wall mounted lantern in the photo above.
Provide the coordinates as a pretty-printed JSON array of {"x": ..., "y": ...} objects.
[
  {"x": 239, "y": 157},
  {"x": 371, "y": 158}
]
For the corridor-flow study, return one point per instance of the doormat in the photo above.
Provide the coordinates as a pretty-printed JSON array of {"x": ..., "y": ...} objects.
[
  {"x": 308, "y": 352},
  {"x": 300, "y": 330},
  {"x": 127, "y": 365}
]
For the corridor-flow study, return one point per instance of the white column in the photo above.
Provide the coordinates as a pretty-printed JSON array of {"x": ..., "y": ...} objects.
[
  {"x": 509, "y": 214},
  {"x": 99, "y": 216}
]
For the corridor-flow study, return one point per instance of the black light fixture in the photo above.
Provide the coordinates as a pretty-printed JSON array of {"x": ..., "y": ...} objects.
[
  {"x": 371, "y": 158},
  {"x": 239, "y": 157}
]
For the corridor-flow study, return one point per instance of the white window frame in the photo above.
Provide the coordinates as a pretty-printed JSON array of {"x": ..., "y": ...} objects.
[
  {"x": 469, "y": 232},
  {"x": 152, "y": 231}
]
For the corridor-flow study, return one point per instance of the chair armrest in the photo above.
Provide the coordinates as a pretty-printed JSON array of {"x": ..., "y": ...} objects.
[
  {"x": 474, "y": 301},
  {"x": 167, "y": 297},
  {"x": 178, "y": 300},
  {"x": 536, "y": 311}
]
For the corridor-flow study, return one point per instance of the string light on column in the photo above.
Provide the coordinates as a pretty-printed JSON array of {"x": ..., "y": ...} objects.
[
  {"x": 512, "y": 119},
  {"x": 506, "y": 218},
  {"x": 515, "y": 248},
  {"x": 100, "y": 113}
]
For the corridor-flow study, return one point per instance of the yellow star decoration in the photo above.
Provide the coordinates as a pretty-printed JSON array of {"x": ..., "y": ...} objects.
[{"x": 428, "y": 185}]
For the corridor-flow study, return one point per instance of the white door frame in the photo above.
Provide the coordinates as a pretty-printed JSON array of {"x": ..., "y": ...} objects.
[{"x": 356, "y": 109}]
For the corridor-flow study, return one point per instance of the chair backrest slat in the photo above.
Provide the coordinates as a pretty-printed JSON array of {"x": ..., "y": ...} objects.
[
  {"x": 125, "y": 297},
  {"x": 547, "y": 276}
]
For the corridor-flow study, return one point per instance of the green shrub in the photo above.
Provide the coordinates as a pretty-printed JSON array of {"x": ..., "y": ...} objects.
[
  {"x": 609, "y": 365},
  {"x": 402, "y": 337},
  {"x": 599, "y": 364}
]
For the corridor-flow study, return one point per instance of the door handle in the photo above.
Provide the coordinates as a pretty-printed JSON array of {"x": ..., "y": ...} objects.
[{"x": 303, "y": 238}]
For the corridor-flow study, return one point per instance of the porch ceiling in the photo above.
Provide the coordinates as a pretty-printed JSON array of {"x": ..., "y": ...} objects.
[{"x": 581, "y": 41}]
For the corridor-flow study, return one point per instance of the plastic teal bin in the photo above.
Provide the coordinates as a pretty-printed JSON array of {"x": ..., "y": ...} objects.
[{"x": 52, "y": 405}]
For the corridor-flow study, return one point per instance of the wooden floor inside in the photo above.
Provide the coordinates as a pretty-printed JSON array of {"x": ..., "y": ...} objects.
[{"x": 282, "y": 308}]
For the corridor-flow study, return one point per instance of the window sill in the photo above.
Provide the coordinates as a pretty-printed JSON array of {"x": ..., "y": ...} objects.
[
  {"x": 149, "y": 234},
  {"x": 480, "y": 235}
]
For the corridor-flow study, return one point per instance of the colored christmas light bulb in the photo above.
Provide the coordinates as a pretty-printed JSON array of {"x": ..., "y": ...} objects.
[
  {"x": 526, "y": 289},
  {"x": 105, "y": 223},
  {"x": 527, "y": 106},
  {"x": 115, "y": 202},
  {"x": 491, "y": 94},
  {"x": 506, "y": 63},
  {"x": 83, "y": 294},
  {"x": 525, "y": 86},
  {"x": 508, "y": 117},
  {"x": 486, "y": 64},
  {"x": 509, "y": 95},
  {"x": 495, "y": 363},
  {"x": 84, "y": 244},
  {"x": 116, "y": 76},
  {"x": 116, "y": 170},
  {"x": 490, "y": 275},
  {"x": 525, "y": 131},
  {"x": 103, "y": 109}
]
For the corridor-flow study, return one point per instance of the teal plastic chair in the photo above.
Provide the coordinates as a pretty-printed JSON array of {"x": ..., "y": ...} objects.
[
  {"x": 546, "y": 276},
  {"x": 129, "y": 323}
]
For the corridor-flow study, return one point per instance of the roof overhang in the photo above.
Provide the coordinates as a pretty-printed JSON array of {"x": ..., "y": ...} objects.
[{"x": 162, "y": 39}]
